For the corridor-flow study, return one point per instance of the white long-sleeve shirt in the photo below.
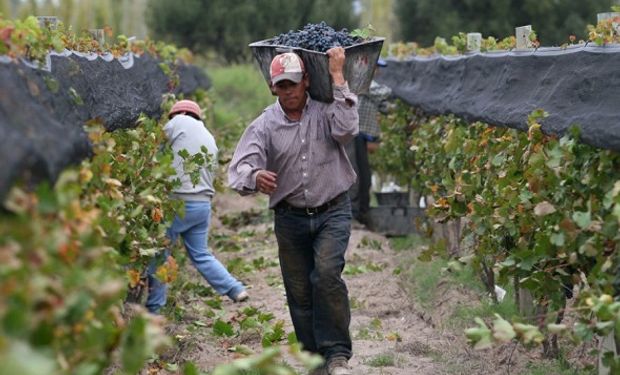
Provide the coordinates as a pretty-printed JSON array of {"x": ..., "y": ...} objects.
[{"x": 187, "y": 133}]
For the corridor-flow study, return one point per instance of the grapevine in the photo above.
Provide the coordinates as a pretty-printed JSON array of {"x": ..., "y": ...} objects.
[
  {"x": 71, "y": 251},
  {"x": 538, "y": 208},
  {"x": 26, "y": 39}
]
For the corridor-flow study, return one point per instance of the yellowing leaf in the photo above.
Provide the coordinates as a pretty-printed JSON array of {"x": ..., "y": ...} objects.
[
  {"x": 134, "y": 278},
  {"x": 112, "y": 182},
  {"x": 169, "y": 271},
  {"x": 151, "y": 199},
  {"x": 156, "y": 215},
  {"x": 607, "y": 265},
  {"x": 479, "y": 336},
  {"x": 534, "y": 129},
  {"x": 85, "y": 175},
  {"x": 544, "y": 208},
  {"x": 606, "y": 299},
  {"x": 556, "y": 328},
  {"x": 502, "y": 330},
  {"x": 616, "y": 190},
  {"x": 528, "y": 333}
]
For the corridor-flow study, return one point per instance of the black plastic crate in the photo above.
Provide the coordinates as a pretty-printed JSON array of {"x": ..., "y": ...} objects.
[
  {"x": 395, "y": 221},
  {"x": 360, "y": 63},
  {"x": 393, "y": 198}
]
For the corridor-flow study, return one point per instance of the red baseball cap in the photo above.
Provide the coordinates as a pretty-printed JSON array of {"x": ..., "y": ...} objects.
[
  {"x": 286, "y": 66},
  {"x": 185, "y": 106}
]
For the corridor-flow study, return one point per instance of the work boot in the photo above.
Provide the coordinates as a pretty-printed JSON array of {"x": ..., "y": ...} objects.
[{"x": 338, "y": 366}]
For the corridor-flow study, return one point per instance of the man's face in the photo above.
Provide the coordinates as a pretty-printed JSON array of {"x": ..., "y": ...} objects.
[{"x": 292, "y": 95}]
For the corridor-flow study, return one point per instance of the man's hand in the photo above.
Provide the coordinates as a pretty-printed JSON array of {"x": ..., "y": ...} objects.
[
  {"x": 266, "y": 182},
  {"x": 336, "y": 64}
]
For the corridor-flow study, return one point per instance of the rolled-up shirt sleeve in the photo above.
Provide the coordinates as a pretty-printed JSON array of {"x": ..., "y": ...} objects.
[
  {"x": 250, "y": 157},
  {"x": 343, "y": 116}
]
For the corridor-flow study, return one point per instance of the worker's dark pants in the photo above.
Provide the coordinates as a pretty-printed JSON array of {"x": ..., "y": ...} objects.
[
  {"x": 360, "y": 190},
  {"x": 311, "y": 250}
]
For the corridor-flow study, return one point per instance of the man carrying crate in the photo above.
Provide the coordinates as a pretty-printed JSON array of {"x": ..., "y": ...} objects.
[{"x": 294, "y": 152}]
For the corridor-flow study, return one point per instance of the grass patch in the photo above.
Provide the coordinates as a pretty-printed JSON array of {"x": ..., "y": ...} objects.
[
  {"x": 463, "y": 315},
  {"x": 370, "y": 243},
  {"x": 555, "y": 367},
  {"x": 371, "y": 331},
  {"x": 408, "y": 243},
  {"x": 454, "y": 366},
  {"x": 381, "y": 360},
  {"x": 466, "y": 277},
  {"x": 356, "y": 303},
  {"x": 240, "y": 88},
  {"x": 423, "y": 279},
  {"x": 428, "y": 283},
  {"x": 239, "y": 94}
]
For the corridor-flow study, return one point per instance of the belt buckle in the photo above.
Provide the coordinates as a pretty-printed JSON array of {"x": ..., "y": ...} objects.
[{"x": 311, "y": 211}]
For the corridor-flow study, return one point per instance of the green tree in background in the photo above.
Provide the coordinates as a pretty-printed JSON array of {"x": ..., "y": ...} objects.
[
  {"x": 133, "y": 18},
  {"x": 83, "y": 16},
  {"x": 124, "y": 16},
  {"x": 101, "y": 13},
  {"x": 27, "y": 8},
  {"x": 228, "y": 26},
  {"x": 556, "y": 20},
  {"x": 337, "y": 14},
  {"x": 5, "y": 7},
  {"x": 380, "y": 14},
  {"x": 66, "y": 9},
  {"x": 553, "y": 20}
]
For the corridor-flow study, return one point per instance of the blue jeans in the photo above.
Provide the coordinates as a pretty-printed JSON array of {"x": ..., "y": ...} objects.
[
  {"x": 193, "y": 228},
  {"x": 311, "y": 250}
]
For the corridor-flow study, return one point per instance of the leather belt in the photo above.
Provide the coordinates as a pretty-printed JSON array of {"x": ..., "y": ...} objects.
[{"x": 310, "y": 211}]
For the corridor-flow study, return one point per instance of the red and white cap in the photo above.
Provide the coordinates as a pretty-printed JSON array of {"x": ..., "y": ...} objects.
[{"x": 286, "y": 66}]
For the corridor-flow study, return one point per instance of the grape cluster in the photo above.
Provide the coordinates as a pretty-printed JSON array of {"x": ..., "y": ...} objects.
[{"x": 316, "y": 37}]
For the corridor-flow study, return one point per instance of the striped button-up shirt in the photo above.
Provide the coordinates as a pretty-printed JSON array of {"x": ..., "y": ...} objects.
[{"x": 307, "y": 155}]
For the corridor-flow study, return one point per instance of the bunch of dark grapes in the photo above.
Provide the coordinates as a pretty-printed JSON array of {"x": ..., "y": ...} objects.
[{"x": 316, "y": 37}]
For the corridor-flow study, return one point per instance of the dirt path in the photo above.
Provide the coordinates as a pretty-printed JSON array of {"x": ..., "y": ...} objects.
[
  {"x": 384, "y": 324},
  {"x": 391, "y": 335}
]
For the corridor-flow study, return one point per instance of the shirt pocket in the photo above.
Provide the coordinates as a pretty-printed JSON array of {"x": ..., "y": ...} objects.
[
  {"x": 325, "y": 152},
  {"x": 321, "y": 130}
]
